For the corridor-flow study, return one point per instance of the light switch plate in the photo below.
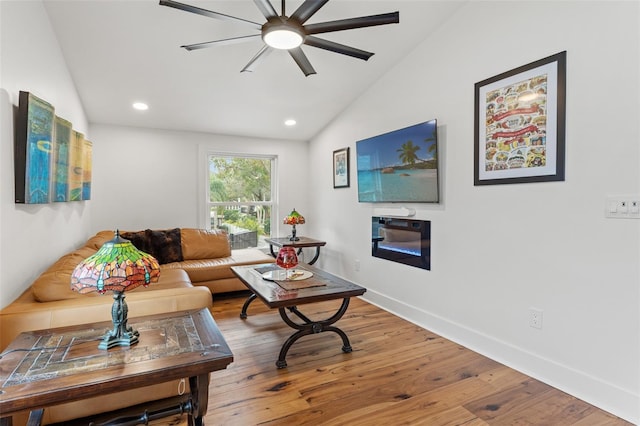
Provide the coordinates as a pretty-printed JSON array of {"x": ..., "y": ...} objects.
[{"x": 622, "y": 206}]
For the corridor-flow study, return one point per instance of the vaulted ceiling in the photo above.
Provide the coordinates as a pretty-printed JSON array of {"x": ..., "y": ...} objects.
[{"x": 119, "y": 52}]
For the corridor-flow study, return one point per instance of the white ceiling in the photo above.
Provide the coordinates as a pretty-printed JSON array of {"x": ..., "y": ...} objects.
[{"x": 120, "y": 51}]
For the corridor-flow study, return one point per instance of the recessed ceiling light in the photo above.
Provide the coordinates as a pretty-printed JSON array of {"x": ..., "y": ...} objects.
[
  {"x": 141, "y": 106},
  {"x": 290, "y": 122}
]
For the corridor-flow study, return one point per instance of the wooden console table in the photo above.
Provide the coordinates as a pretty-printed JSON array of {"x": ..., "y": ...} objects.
[
  {"x": 49, "y": 367},
  {"x": 301, "y": 243},
  {"x": 320, "y": 287}
]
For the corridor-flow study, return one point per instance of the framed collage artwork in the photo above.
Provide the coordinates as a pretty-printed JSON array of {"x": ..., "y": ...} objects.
[{"x": 520, "y": 124}]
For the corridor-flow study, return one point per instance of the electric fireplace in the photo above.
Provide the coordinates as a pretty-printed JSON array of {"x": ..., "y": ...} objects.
[{"x": 402, "y": 240}]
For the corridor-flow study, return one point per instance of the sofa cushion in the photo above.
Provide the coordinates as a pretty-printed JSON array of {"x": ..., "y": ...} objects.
[
  {"x": 165, "y": 245},
  {"x": 206, "y": 270},
  {"x": 172, "y": 278},
  {"x": 204, "y": 244},
  {"x": 99, "y": 239},
  {"x": 55, "y": 282}
]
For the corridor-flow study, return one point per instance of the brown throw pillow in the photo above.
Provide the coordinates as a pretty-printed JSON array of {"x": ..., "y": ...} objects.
[
  {"x": 165, "y": 245},
  {"x": 139, "y": 239}
]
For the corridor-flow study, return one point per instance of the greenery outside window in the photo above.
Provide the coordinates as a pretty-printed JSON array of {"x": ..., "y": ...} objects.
[{"x": 241, "y": 197}]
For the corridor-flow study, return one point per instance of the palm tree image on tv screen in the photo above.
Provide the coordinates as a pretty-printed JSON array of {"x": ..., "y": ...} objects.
[{"x": 399, "y": 166}]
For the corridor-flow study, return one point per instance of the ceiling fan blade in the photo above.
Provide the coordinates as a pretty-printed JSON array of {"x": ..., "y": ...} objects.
[
  {"x": 223, "y": 42},
  {"x": 253, "y": 63},
  {"x": 352, "y": 23},
  {"x": 208, "y": 13},
  {"x": 301, "y": 59},
  {"x": 266, "y": 8},
  {"x": 337, "y": 47},
  {"x": 307, "y": 9}
]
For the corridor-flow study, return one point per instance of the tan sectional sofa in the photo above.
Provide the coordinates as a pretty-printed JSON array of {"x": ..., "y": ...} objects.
[
  {"x": 202, "y": 267},
  {"x": 207, "y": 259},
  {"x": 204, "y": 255}
]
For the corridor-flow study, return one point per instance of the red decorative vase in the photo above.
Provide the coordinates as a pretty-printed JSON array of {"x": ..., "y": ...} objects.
[{"x": 287, "y": 259}]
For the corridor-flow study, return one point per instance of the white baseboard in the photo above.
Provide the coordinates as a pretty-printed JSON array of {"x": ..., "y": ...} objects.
[{"x": 606, "y": 396}]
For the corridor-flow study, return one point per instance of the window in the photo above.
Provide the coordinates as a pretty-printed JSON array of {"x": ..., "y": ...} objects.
[{"x": 241, "y": 197}]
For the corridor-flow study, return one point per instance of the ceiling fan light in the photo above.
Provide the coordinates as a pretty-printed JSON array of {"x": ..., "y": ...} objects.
[
  {"x": 282, "y": 37},
  {"x": 140, "y": 106}
]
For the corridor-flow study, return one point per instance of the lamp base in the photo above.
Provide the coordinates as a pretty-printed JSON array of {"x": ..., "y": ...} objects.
[
  {"x": 293, "y": 235},
  {"x": 121, "y": 334},
  {"x": 109, "y": 340}
]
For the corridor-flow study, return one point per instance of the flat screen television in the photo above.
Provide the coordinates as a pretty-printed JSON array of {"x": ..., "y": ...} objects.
[
  {"x": 399, "y": 166},
  {"x": 402, "y": 240}
]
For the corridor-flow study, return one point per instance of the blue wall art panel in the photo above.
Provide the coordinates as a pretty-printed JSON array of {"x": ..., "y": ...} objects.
[
  {"x": 75, "y": 166},
  {"x": 60, "y": 172},
  {"x": 33, "y": 150},
  {"x": 87, "y": 155}
]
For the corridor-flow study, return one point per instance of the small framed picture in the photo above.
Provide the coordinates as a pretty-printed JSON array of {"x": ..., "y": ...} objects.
[
  {"x": 520, "y": 124},
  {"x": 341, "y": 168}
]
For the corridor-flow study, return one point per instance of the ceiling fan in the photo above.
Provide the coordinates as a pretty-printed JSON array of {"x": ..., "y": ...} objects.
[{"x": 289, "y": 32}]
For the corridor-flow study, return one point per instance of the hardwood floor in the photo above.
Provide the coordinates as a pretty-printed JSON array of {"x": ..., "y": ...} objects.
[{"x": 397, "y": 374}]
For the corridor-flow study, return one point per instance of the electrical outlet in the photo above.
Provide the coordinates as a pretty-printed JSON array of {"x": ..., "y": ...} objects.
[
  {"x": 535, "y": 317},
  {"x": 356, "y": 265}
]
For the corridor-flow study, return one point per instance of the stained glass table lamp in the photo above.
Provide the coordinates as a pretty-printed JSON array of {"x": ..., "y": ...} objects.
[
  {"x": 294, "y": 218},
  {"x": 118, "y": 266}
]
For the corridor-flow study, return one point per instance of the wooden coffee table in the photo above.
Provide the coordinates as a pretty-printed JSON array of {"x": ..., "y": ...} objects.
[
  {"x": 49, "y": 367},
  {"x": 320, "y": 287},
  {"x": 300, "y": 243}
]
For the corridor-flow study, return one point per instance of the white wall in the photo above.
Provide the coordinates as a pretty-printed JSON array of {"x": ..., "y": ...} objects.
[
  {"x": 146, "y": 178},
  {"x": 128, "y": 193},
  {"x": 499, "y": 250},
  {"x": 32, "y": 61}
]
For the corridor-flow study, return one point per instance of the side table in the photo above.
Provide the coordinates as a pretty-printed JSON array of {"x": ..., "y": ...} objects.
[
  {"x": 300, "y": 243},
  {"x": 48, "y": 367}
]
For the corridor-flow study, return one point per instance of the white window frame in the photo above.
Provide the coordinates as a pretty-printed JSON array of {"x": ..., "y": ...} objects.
[{"x": 204, "y": 203}]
